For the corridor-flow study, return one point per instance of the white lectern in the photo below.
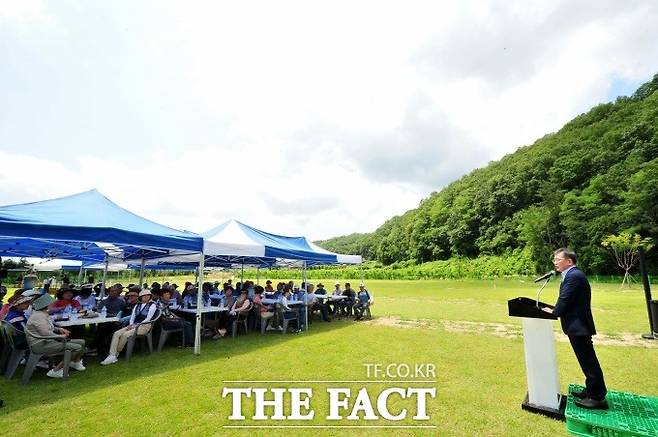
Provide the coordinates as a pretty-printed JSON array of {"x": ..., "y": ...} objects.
[{"x": 540, "y": 358}]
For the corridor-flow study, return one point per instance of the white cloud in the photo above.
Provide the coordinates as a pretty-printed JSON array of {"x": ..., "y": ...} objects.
[{"x": 296, "y": 117}]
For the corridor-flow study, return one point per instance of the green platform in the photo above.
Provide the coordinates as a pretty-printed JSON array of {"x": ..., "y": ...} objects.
[{"x": 629, "y": 415}]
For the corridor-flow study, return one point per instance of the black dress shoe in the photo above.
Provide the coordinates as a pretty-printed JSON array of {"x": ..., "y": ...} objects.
[
  {"x": 592, "y": 404},
  {"x": 582, "y": 394}
]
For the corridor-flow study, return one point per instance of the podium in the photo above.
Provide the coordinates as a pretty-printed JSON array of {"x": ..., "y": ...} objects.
[{"x": 540, "y": 358}]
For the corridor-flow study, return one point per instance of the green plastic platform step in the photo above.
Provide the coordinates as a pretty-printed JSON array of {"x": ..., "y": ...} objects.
[{"x": 629, "y": 415}]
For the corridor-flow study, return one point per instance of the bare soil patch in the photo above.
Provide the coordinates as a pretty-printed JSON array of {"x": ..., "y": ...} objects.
[{"x": 505, "y": 330}]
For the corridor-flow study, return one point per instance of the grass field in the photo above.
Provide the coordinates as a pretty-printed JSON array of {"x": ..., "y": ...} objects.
[{"x": 462, "y": 327}]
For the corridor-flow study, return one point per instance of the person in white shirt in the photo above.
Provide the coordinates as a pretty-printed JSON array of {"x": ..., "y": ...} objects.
[{"x": 141, "y": 315}]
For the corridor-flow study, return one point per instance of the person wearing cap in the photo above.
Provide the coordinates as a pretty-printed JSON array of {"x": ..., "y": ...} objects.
[
  {"x": 132, "y": 299},
  {"x": 362, "y": 303},
  {"x": 65, "y": 299},
  {"x": 142, "y": 313},
  {"x": 40, "y": 324}
]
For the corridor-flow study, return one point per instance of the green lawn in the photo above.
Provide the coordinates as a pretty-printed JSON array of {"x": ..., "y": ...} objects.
[{"x": 480, "y": 378}]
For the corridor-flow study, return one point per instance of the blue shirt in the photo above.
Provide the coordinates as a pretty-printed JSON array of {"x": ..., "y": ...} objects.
[{"x": 17, "y": 319}]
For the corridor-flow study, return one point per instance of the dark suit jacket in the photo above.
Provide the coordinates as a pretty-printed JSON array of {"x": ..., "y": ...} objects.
[{"x": 573, "y": 306}]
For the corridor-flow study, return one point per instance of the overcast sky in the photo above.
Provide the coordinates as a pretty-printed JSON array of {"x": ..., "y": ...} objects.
[{"x": 299, "y": 118}]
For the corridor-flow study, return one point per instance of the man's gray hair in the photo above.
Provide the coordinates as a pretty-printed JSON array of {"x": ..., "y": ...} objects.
[{"x": 567, "y": 253}]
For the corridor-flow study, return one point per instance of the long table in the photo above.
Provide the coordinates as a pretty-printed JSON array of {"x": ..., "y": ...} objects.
[{"x": 84, "y": 321}]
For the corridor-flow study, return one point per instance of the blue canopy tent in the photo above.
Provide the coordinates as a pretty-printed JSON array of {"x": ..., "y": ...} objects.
[
  {"x": 89, "y": 227},
  {"x": 234, "y": 242}
]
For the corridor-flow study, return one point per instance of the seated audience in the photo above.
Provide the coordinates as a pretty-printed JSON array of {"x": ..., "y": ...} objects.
[
  {"x": 362, "y": 303},
  {"x": 141, "y": 315},
  {"x": 7, "y": 306},
  {"x": 266, "y": 312},
  {"x": 347, "y": 304},
  {"x": 65, "y": 300},
  {"x": 320, "y": 289},
  {"x": 171, "y": 321},
  {"x": 86, "y": 298},
  {"x": 40, "y": 324},
  {"x": 132, "y": 299},
  {"x": 175, "y": 294},
  {"x": 113, "y": 303},
  {"x": 241, "y": 306},
  {"x": 115, "y": 306},
  {"x": 16, "y": 316},
  {"x": 190, "y": 301},
  {"x": 315, "y": 304}
]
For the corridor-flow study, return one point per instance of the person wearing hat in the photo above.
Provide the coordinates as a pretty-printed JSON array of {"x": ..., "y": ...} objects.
[
  {"x": 7, "y": 306},
  {"x": 65, "y": 299},
  {"x": 142, "y": 313},
  {"x": 16, "y": 316},
  {"x": 268, "y": 287},
  {"x": 320, "y": 289},
  {"x": 40, "y": 324}
]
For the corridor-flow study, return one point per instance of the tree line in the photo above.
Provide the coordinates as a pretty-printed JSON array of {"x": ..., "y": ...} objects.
[{"x": 596, "y": 176}]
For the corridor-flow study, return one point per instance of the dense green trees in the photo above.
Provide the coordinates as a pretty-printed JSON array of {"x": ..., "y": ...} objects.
[{"x": 597, "y": 176}]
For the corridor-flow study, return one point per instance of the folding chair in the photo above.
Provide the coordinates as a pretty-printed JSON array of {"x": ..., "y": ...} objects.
[
  {"x": 148, "y": 335},
  {"x": 35, "y": 357}
]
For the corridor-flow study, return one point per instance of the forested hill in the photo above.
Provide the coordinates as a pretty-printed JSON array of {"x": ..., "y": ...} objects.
[{"x": 596, "y": 176}]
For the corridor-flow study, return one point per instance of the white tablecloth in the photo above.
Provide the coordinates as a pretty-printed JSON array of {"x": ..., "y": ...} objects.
[
  {"x": 85, "y": 321},
  {"x": 208, "y": 309}
]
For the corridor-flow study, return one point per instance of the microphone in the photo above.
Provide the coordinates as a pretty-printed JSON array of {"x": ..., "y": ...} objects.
[{"x": 546, "y": 276}]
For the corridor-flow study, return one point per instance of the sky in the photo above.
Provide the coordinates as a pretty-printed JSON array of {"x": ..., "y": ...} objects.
[{"x": 296, "y": 117}]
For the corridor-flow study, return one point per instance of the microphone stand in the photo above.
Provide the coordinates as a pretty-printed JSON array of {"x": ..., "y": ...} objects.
[{"x": 542, "y": 289}]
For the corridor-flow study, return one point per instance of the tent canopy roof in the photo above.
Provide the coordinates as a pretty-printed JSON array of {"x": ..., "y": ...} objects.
[
  {"x": 236, "y": 238},
  {"x": 87, "y": 226},
  {"x": 234, "y": 243}
]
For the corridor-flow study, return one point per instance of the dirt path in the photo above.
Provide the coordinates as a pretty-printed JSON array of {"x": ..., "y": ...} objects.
[{"x": 504, "y": 330}]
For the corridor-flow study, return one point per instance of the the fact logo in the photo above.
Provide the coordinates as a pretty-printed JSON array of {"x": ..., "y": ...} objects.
[{"x": 376, "y": 399}]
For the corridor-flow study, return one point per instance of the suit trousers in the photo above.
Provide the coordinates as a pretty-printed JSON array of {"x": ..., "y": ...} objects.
[{"x": 584, "y": 350}]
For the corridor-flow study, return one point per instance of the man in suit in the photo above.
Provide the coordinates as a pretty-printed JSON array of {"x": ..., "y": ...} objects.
[{"x": 573, "y": 307}]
